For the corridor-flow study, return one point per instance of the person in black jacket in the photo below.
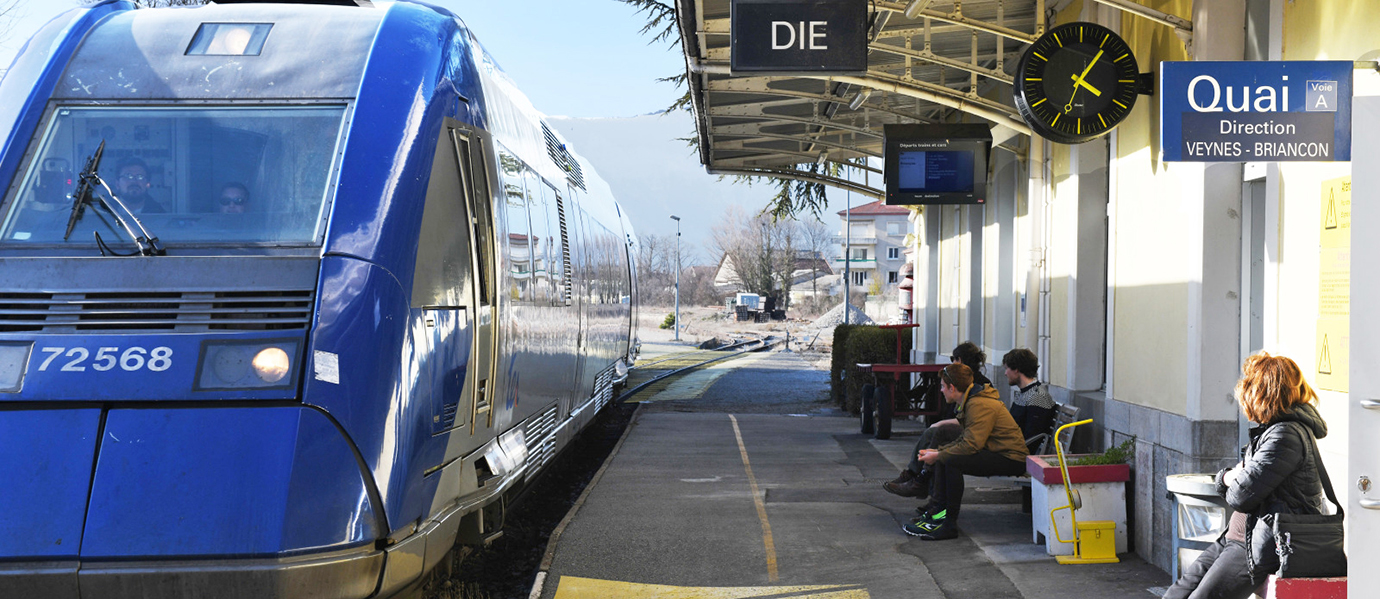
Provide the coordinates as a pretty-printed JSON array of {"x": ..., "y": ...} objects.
[{"x": 1277, "y": 473}]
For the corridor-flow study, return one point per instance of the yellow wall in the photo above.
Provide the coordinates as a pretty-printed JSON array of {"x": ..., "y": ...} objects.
[
  {"x": 1317, "y": 30},
  {"x": 1151, "y": 268},
  {"x": 1063, "y": 252}
]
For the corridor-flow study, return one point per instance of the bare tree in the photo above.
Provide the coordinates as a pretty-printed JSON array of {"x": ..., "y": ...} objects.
[
  {"x": 10, "y": 13},
  {"x": 656, "y": 267},
  {"x": 761, "y": 250},
  {"x": 816, "y": 239}
]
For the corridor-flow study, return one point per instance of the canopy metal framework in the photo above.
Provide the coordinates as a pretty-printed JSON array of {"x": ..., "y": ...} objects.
[{"x": 929, "y": 61}]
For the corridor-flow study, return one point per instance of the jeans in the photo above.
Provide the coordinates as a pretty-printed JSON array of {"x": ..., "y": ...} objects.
[
  {"x": 1219, "y": 573},
  {"x": 948, "y": 476},
  {"x": 934, "y": 437}
]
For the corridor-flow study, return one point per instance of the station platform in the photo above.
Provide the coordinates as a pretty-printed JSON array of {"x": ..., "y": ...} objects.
[{"x": 758, "y": 487}]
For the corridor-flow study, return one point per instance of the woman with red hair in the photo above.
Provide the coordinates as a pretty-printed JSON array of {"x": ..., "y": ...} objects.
[{"x": 1278, "y": 473}]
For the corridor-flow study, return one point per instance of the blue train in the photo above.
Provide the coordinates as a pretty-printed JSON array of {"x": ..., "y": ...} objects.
[{"x": 293, "y": 298}]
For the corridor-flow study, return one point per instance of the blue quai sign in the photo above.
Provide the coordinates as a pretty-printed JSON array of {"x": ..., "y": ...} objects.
[{"x": 1256, "y": 111}]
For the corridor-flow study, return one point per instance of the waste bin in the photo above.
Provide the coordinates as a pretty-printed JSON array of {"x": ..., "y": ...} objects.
[{"x": 1200, "y": 515}]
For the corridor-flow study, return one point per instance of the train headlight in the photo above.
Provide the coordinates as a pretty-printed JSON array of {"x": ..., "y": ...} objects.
[
  {"x": 271, "y": 364},
  {"x": 247, "y": 365}
]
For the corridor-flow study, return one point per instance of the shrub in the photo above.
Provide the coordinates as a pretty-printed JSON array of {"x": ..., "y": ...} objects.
[
  {"x": 860, "y": 344},
  {"x": 837, "y": 360},
  {"x": 669, "y": 322}
]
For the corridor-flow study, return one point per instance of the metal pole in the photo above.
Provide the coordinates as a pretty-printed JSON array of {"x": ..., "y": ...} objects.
[
  {"x": 847, "y": 241},
  {"x": 677, "y": 219}
]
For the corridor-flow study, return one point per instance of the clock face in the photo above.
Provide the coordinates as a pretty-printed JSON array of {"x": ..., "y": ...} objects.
[{"x": 1076, "y": 82}]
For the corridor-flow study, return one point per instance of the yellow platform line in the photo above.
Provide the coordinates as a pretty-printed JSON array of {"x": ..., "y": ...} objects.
[
  {"x": 571, "y": 587},
  {"x": 757, "y": 500}
]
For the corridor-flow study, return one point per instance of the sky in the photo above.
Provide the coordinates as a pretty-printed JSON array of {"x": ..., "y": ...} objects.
[{"x": 586, "y": 60}]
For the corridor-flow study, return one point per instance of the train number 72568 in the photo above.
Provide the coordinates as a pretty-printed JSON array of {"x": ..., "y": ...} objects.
[{"x": 107, "y": 358}]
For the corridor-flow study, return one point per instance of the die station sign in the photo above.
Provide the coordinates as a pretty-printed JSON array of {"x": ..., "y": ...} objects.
[
  {"x": 1256, "y": 111},
  {"x": 798, "y": 36}
]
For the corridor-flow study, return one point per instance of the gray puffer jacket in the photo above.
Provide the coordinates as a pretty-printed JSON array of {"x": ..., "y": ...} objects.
[{"x": 1279, "y": 472}]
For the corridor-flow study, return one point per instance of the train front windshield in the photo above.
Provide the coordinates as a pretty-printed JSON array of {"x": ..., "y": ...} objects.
[{"x": 191, "y": 176}]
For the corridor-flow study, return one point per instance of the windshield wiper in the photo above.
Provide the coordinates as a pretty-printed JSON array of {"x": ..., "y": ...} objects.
[
  {"x": 148, "y": 244},
  {"x": 86, "y": 183}
]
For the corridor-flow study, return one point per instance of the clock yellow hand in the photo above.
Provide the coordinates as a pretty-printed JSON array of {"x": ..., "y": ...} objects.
[
  {"x": 1077, "y": 81},
  {"x": 1090, "y": 66}
]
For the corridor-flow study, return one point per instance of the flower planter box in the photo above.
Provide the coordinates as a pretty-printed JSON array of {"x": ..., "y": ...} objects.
[{"x": 1102, "y": 487}]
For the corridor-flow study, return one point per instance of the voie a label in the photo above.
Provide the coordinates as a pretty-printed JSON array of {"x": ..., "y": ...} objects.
[
  {"x": 789, "y": 36},
  {"x": 1256, "y": 111}
]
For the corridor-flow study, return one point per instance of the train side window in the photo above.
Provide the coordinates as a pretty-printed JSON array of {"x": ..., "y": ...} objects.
[
  {"x": 538, "y": 195},
  {"x": 517, "y": 240}
]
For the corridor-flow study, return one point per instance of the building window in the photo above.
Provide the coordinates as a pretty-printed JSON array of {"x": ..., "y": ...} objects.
[
  {"x": 859, "y": 254},
  {"x": 860, "y": 278},
  {"x": 895, "y": 228},
  {"x": 860, "y": 230},
  {"x": 893, "y": 254},
  {"x": 891, "y": 277}
]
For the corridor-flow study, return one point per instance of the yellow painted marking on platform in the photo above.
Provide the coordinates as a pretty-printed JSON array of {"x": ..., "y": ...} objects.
[
  {"x": 757, "y": 500},
  {"x": 571, "y": 587},
  {"x": 692, "y": 385}
]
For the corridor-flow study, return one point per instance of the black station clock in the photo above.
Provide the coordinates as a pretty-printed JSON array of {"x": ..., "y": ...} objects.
[{"x": 1076, "y": 82}]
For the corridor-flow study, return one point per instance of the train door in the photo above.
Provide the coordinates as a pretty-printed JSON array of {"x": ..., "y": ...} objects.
[{"x": 469, "y": 153}]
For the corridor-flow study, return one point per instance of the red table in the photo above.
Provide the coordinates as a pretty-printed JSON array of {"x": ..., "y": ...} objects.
[{"x": 880, "y": 407}]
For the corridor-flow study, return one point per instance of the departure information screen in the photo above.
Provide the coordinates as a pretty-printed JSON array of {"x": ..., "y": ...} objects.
[{"x": 939, "y": 171}]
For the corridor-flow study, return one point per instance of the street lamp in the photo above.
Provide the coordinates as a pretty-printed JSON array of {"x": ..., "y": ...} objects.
[{"x": 677, "y": 219}]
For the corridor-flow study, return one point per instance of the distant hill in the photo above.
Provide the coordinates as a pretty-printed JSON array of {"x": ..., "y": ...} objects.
[{"x": 654, "y": 175}]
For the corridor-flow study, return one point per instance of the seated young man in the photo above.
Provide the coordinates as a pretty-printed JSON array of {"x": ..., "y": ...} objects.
[
  {"x": 1031, "y": 405},
  {"x": 914, "y": 481},
  {"x": 991, "y": 445}
]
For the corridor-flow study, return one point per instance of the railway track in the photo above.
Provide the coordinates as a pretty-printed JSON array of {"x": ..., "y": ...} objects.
[{"x": 650, "y": 376}]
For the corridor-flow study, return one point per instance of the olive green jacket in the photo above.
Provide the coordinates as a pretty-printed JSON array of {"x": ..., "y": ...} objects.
[{"x": 987, "y": 424}]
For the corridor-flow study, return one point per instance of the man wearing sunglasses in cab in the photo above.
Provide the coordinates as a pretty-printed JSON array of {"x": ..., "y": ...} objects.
[{"x": 234, "y": 199}]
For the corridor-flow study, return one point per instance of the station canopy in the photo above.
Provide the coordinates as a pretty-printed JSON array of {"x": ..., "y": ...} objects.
[{"x": 950, "y": 61}]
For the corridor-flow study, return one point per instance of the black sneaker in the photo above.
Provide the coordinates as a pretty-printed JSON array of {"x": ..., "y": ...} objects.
[
  {"x": 925, "y": 524},
  {"x": 945, "y": 531}
]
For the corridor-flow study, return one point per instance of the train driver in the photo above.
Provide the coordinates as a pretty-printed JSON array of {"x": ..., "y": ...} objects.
[{"x": 133, "y": 186}]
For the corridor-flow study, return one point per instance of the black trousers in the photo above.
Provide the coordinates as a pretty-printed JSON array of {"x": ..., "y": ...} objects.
[
  {"x": 1219, "y": 573},
  {"x": 934, "y": 437},
  {"x": 948, "y": 476}
]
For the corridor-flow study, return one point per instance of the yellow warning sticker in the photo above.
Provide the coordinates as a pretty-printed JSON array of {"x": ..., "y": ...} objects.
[
  {"x": 1334, "y": 337},
  {"x": 572, "y": 587},
  {"x": 1336, "y": 213}
]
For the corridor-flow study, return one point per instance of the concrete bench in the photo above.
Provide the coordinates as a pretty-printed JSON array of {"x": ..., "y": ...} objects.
[{"x": 1303, "y": 588}]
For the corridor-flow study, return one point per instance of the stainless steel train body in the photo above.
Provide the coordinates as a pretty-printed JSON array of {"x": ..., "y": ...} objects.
[{"x": 316, "y": 394}]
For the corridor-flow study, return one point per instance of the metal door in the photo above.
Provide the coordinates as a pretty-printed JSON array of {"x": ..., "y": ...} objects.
[
  {"x": 470, "y": 155},
  {"x": 1361, "y": 486}
]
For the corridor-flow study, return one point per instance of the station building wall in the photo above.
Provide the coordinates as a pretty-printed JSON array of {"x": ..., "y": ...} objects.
[{"x": 1124, "y": 272}]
